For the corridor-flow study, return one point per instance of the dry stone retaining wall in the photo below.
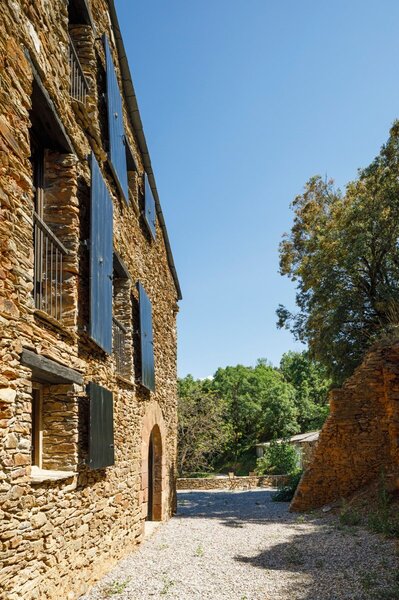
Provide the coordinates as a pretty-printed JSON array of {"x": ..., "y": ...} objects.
[
  {"x": 360, "y": 439},
  {"x": 226, "y": 483}
]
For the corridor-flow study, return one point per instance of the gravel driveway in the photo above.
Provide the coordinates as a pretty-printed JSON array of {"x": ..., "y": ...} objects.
[{"x": 242, "y": 546}]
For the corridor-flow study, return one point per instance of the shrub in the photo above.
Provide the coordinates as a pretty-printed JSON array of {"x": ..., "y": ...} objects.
[
  {"x": 278, "y": 459},
  {"x": 286, "y": 492}
]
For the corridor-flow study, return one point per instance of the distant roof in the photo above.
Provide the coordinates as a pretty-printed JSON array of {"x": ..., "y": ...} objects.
[{"x": 300, "y": 438}]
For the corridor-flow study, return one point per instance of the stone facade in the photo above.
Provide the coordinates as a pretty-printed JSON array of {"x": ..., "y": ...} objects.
[
  {"x": 360, "y": 439},
  {"x": 63, "y": 524}
]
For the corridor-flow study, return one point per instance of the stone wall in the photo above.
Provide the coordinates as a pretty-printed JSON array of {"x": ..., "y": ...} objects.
[
  {"x": 58, "y": 536},
  {"x": 360, "y": 438},
  {"x": 227, "y": 483}
]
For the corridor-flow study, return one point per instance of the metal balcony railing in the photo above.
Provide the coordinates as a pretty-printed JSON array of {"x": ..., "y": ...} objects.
[
  {"x": 121, "y": 355},
  {"x": 48, "y": 265},
  {"x": 79, "y": 86}
]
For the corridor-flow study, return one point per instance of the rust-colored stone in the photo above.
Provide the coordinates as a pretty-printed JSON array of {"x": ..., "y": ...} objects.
[{"x": 359, "y": 440}]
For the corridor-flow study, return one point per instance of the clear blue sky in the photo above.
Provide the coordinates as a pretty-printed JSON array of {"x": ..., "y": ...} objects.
[{"x": 242, "y": 101}]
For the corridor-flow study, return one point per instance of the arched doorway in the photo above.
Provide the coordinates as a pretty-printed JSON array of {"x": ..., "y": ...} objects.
[{"x": 154, "y": 475}]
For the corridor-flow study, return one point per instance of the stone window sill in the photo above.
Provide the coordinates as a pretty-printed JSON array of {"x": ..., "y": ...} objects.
[
  {"x": 44, "y": 317},
  {"x": 124, "y": 380},
  {"x": 43, "y": 475}
]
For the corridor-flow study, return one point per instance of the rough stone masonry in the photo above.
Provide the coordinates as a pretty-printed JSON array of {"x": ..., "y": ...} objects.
[
  {"x": 359, "y": 441},
  {"x": 63, "y": 522}
]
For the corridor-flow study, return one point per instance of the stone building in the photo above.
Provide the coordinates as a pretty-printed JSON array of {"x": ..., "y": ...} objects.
[
  {"x": 304, "y": 444},
  {"x": 88, "y": 304}
]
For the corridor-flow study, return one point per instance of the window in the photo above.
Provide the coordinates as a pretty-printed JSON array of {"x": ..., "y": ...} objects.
[
  {"x": 78, "y": 16},
  {"x": 79, "y": 88},
  {"x": 122, "y": 337},
  {"x": 101, "y": 260},
  {"x": 48, "y": 140},
  {"x": 116, "y": 130},
  {"x": 37, "y": 429},
  {"x": 54, "y": 417},
  {"x": 79, "y": 13},
  {"x": 101, "y": 427},
  {"x": 149, "y": 208},
  {"x": 147, "y": 378}
]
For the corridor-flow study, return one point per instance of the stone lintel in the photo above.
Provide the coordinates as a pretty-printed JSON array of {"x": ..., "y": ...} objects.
[{"x": 49, "y": 371}]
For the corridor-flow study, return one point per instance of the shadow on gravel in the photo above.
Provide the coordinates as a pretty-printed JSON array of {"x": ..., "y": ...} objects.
[
  {"x": 331, "y": 565},
  {"x": 326, "y": 561},
  {"x": 233, "y": 509}
]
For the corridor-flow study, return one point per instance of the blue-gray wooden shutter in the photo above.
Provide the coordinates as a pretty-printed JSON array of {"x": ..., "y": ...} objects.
[
  {"x": 116, "y": 130},
  {"x": 101, "y": 260},
  {"x": 101, "y": 427},
  {"x": 149, "y": 207},
  {"x": 146, "y": 340}
]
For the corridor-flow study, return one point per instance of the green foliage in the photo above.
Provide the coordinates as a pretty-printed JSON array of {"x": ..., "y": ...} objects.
[
  {"x": 259, "y": 404},
  {"x": 220, "y": 420},
  {"x": 278, "y": 459},
  {"x": 202, "y": 431},
  {"x": 349, "y": 517},
  {"x": 385, "y": 519},
  {"x": 115, "y": 587},
  {"x": 343, "y": 254},
  {"x": 286, "y": 492},
  {"x": 311, "y": 384}
]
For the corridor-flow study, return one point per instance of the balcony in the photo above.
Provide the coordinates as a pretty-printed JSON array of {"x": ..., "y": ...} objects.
[
  {"x": 120, "y": 349},
  {"x": 79, "y": 87},
  {"x": 48, "y": 270}
]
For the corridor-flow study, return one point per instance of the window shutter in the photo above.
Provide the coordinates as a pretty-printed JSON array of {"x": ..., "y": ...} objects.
[
  {"x": 101, "y": 427},
  {"x": 146, "y": 340},
  {"x": 149, "y": 207},
  {"x": 101, "y": 259},
  {"x": 117, "y": 150}
]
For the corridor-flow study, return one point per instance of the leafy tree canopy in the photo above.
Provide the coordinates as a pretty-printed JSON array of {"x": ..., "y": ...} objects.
[
  {"x": 311, "y": 383},
  {"x": 343, "y": 254},
  {"x": 202, "y": 431}
]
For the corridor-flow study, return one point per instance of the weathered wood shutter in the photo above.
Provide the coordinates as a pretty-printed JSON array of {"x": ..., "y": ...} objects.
[
  {"x": 117, "y": 150},
  {"x": 101, "y": 260},
  {"x": 149, "y": 207},
  {"x": 101, "y": 427},
  {"x": 146, "y": 340}
]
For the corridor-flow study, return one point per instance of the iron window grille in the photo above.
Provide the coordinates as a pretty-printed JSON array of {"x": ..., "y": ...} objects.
[
  {"x": 48, "y": 269},
  {"x": 120, "y": 349},
  {"x": 79, "y": 88}
]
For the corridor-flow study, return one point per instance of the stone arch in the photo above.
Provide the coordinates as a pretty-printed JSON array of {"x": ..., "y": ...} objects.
[{"x": 153, "y": 436}]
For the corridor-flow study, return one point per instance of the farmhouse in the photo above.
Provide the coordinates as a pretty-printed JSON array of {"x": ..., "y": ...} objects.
[{"x": 88, "y": 304}]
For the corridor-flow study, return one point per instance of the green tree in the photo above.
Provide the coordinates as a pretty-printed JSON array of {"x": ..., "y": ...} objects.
[
  {"x": 202, "y": 431},
  {"x": 279, "y": 458},
  {"x": 343, "y": 254},
  {"x": 311, "y": 383},
  {"x": 259, "y": 404}
]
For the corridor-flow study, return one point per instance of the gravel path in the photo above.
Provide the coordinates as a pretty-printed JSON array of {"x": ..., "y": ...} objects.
[{"x": 242, "y": 546}]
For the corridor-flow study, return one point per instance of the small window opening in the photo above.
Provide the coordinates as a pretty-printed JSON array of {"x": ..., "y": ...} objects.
[
  {"x": 122, "y": 337},
  {"x": 37, "y": 427}
]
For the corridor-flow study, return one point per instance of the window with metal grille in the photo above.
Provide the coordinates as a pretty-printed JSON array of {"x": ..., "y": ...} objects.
[
  {"x": 122, "y": 319},
  {"x": 146, "y": 340},
  {"x": 101, "y": 427},
  {"x": 47, "y": 138},
  {"x": 101, "y": 259}
]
